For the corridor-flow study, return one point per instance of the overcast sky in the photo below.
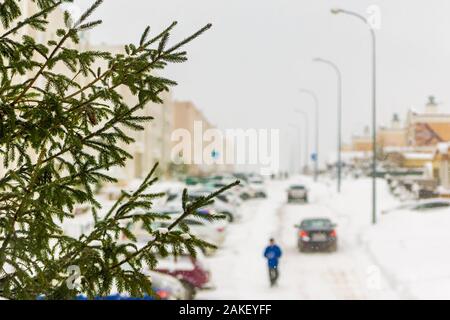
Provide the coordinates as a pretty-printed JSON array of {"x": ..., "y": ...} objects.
[{"x": 246, "y": 71}]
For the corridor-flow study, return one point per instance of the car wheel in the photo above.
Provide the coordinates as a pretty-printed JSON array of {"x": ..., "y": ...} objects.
[
  {"x": 229, "y": 216},
  {"x": 208, "y": 251},
  {"x": 189, "y": 289},
  {"x": 301, "y": 248},
  {"x": 333, "y": 247},
  {"x": 245, "y": 196}
]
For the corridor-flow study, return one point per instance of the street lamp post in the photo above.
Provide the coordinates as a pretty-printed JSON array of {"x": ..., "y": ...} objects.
[
  {"x": 305, "y": 117},
  {"x": 374, "y": 106},
  {"x": 339, "y": 118},
  {"x": 297, "y": 128},
  {"x": 316, "y": 106}
]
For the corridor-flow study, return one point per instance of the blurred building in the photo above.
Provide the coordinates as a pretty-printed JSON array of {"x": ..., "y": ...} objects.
[
  {"x": 56, "y": 21},
  {"x": 428, "y": 128},
  {"x": 441, "y": 166},
  {"x": 188, "y": 117},
  {"x": 362, "y": 142},
  {"x": 408, "y": 158},
  {"x": 153, "y": 143},
  {"x": 393, "y": 135}
]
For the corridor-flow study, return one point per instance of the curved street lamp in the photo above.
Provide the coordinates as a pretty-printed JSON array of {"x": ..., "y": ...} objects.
[
  {"x": 316, "y": 106},
  {"x": 374, "y": 104},
  {"x": 306, "y": 118},
  {"x": 339, "y": 118},
  {"x": 297, "y": 129}
]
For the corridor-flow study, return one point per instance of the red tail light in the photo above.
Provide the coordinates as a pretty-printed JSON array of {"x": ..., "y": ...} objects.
[
  {"x": 303, "y": 233},
  {"x": 333, "y": 233},
  {"x": 163, "y": 294},
  {"x": 221, "y": 229}
]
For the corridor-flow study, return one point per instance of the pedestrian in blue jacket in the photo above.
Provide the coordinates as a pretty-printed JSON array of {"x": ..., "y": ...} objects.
[{"x": 273, "y": 254}]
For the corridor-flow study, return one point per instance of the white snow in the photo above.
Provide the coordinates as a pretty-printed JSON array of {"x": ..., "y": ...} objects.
[
  {"x": 351, "y": 273},
  {"x": 403, "y": 256},
  {"x": 418, "y": 156},
  {"x": 412, "y": 246},
  {"x": 442, "y": 147},
  {"x": 185, "y": 236},
  {"x": 162, "y": 230}
]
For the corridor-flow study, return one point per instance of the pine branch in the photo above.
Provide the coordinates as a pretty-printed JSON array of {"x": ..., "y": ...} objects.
[
  {"x": 27, "y": 21},
  {"x": 189, "y": 209},
  {"x": 34, "y": 79},
  {"x": 76, "y": 132}
]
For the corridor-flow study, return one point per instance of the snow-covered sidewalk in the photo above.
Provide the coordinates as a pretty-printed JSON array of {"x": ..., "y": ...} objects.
[{"x": 412, "y": 248}]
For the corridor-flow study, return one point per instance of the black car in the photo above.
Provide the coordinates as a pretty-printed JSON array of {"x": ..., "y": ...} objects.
[
  {"x": 317, "y": 234},
  {"x": 297, "y": 192}
]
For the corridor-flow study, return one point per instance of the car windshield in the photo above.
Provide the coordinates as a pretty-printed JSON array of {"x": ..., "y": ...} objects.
[
  {"x": 297, "y": 187},
  {"x": 192, "y": 222},
  {"x": 222, "y": 197},
  {"x": 316, "y": 223},
  {"x": 192, "y": 197},
  {"x": 171, "y": 196},
  {"x": 432, "y": 205},
  {"x": 171, "y": 212}
]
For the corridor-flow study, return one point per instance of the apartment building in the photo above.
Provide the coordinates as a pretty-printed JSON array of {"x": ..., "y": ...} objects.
[
  {"x": 392, "y": 136},
  {"x": 428, "y": 127},
  {"x": 152, "y": 145},
  {"x": 188, "y": 117}
]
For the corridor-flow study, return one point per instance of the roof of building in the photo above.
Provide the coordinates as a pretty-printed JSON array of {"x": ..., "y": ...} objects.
[
  {"x": 402, "y": 149},
  {"x": 418, "y": 155}
]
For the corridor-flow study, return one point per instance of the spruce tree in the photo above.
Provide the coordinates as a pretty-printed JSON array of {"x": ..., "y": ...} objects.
[{"x": 59, "y": 136}]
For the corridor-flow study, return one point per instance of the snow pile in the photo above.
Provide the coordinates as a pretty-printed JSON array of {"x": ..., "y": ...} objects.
[
  {"x": 442, "y": 147},
  {"x": 185, "y": 236},
  {"x": 413, "y": 246},
  {"x": 162, "y": 230}
]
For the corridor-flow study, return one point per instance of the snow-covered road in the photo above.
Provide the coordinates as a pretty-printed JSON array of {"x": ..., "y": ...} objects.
[{"x": 239, "y": 270}]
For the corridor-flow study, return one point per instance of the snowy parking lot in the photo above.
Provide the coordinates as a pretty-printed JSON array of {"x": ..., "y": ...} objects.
[{"x": 386, "y": 261}]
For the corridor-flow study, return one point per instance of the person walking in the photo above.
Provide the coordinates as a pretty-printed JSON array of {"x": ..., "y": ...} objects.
[{"x": 273, "y": 253}]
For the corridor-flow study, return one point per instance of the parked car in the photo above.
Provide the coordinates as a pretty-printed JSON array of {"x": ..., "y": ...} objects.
[
  {"x": 243, "y": 190},
  {"x": 230, "y": 196},
  {"x": 317, "y": 234},
  {"x": 213, "y": 231},
  {"x": 220, "y": 206},
  {"x": 297, "y": 192},
  {"x": 164, "y": 286},
  {"x": 426, "y": 205},
  {"x": 168, "y": 287},
  {"x": 257, "y": 184},
  {"x": 194, "y": 273},
  {"x": 424, "y": 193},
  {"x": 112, "y": 296}
]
